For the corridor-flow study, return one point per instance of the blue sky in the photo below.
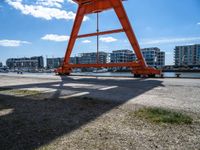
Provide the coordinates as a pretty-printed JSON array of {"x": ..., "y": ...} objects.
[{"x": 42, "y": 27}]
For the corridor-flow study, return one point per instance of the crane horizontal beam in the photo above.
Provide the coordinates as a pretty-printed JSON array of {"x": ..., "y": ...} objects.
[
  {"x": 101, "y": 33},
  {"x": 107, "y": 65},
  {"x": 85, "y": 1}
]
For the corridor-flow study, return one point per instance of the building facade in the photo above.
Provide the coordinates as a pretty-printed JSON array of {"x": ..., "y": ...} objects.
[
  {"x": 91, "y": 58},
  {"x": 188, "y": 55},
  {"x": 83, "y": 58},
  {"x": 26, "y": 64},
  {"x": 161, "y": 60},
  {"x": 120, "y": 56},
  {"x": 53, "y": 63},
  {"x": 154, "y": 57},
  {"x": 1, "y": 64},
  {"x": 74, "y": 60}
]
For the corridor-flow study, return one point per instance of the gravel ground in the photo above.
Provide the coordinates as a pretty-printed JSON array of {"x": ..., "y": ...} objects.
[
  {"x": 61, "y": 118},
  {"x": 82, "y": 123}
]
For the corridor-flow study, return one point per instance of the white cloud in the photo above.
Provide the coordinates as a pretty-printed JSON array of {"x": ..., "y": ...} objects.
[
  {"x": 169, "y": 40},
  {"x": 86, "y": 41},
  {"x": 70, "y": 1},
  {"x": 12, "y": 43},
  {"x": 107, "y": 39},
  {"x": 55, "y": 38},
  {"x": 50, "y": 3},
  {"x": 40, "y": 10}
]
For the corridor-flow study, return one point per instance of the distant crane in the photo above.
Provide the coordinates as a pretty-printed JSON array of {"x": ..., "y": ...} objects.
[{"x": 85, "y": 7}]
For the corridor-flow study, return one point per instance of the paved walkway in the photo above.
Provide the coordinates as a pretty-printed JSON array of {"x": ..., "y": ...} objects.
[{"x": 182, "y": 94}]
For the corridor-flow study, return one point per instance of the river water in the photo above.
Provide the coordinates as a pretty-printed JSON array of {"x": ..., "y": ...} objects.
[{"x": 127, "y": 74}]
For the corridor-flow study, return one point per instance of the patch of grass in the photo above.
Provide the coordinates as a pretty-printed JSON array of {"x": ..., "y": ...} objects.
[
  {"x": 87, "y": 130},
  {"x": 22, "y": 92},
  {"x": 159, "y": 115}
]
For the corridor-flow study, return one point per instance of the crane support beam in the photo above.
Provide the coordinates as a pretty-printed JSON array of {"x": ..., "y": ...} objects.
[
  {"x": 96, "y": 6},
  {"x": 100, "y": 33},
  {"x": 108, "y": 65},
  {"x": 74, "y": 33}
]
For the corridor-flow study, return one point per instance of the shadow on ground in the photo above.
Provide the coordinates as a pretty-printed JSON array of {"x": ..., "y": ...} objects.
[{"x": 32, "y": 123}]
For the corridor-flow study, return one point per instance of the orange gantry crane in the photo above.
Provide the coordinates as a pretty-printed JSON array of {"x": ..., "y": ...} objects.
[{"x": 139, "y": 67}]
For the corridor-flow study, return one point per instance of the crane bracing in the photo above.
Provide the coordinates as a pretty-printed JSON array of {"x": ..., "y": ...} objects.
[{"x": 139, "y": 67}]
